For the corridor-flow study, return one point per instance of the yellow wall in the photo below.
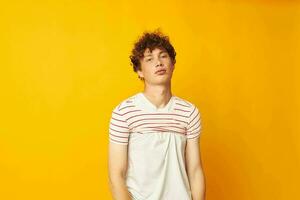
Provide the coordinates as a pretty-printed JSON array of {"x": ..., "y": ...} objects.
[{"x": 64, "y": 66}]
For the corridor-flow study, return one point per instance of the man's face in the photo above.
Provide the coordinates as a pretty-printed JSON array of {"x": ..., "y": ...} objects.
[{"x": 156, "y": 67}]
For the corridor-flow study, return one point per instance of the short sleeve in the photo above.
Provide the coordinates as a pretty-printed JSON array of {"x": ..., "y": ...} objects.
[
  {"x": 118, "y": 128},
  {"x": 194, "y": 124}
]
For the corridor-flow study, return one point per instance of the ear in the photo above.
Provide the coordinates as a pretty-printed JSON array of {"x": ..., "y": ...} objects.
[
  {"x": 173, "y": 65},
  {"x": 140, "y": 74}
]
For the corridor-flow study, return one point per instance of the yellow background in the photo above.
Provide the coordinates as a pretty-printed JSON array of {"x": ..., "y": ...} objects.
[{"x": 65, "y": 65}]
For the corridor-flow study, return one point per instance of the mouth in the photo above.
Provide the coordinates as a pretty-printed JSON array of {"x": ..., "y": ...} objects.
[{"x": 160, "y": 72}]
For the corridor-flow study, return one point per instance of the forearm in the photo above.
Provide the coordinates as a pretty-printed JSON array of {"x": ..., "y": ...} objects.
[
  {"x": 197, "y": 183},
  {"x": 119, "y": 189}
]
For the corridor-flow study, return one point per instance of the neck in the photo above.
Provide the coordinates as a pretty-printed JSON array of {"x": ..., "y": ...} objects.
[{"x": 159, "y": 95}]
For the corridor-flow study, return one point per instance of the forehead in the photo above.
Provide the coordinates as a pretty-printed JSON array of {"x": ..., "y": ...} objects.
[{"x": 158, "y": 50}]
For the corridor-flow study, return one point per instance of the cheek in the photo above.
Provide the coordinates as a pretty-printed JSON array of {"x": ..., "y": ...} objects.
[
  {"x": 147, "y": 71},
  {"x": 169, "y": 62},
  {"x": 171, "y": 66}
]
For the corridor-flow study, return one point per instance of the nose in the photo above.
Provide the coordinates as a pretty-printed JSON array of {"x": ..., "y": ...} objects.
[{"x": 159, "y": 63}]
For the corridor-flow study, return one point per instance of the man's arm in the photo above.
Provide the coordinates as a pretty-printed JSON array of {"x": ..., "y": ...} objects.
[
  {"x": 117, "y": 167},
  {"x": 194, "y": 169}
]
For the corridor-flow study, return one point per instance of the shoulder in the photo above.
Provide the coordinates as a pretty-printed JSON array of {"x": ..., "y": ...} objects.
[
  {"x": 125, "y": 104},
  {"x": 186, "y": 104}
]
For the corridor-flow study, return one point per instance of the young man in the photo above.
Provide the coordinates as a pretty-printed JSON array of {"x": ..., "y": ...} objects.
[{"x": 154, "y": 135}]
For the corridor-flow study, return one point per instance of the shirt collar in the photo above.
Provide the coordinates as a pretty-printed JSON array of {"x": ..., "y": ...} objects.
[{"x": 145, "y": 104}]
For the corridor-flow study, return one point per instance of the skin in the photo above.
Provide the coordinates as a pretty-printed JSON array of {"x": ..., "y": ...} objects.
[{"x": 157, "y": 88}]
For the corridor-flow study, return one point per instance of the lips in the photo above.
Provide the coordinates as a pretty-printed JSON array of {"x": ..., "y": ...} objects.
[{"x": 160, "y": 71}]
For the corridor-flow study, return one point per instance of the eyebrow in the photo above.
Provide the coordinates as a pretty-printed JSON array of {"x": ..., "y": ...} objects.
[{"x": 162, "y": 51}]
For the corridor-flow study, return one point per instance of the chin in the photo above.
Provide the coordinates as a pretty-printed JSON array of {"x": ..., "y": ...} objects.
[{"x": 162, "y": 82}]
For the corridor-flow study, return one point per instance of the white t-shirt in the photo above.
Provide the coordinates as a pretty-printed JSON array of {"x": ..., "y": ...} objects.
[{"x": 156, "y": 140}]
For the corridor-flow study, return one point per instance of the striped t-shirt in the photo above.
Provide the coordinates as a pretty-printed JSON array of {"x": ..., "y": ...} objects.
[{"x": 156, "y": 139}]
